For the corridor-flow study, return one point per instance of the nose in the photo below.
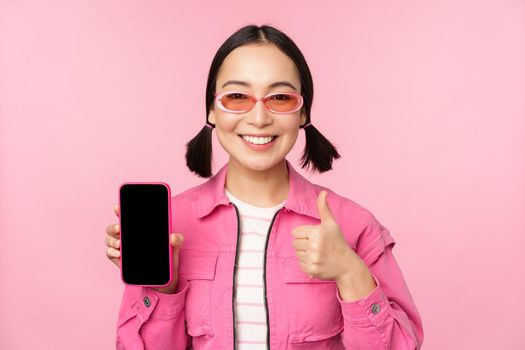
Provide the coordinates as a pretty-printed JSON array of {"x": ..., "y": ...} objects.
[{"x": 259, "y": 116}]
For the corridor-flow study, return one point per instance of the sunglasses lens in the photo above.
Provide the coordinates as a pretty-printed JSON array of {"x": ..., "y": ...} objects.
[
  {"x": 283, "y": 102},
  {"x": 237, "y": 102}
]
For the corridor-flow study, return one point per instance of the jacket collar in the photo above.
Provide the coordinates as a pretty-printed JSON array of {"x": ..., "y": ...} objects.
[{"x": 302, "y": 196}]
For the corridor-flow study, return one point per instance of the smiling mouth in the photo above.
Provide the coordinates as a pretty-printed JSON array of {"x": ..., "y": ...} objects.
[{"x": 258, "y": 140}]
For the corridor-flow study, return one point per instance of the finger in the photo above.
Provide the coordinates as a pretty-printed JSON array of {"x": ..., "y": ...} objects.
[
  {"x": 112, "y": 253},
  {"x": 301, "y": 244},
  {"x": 112, "y": 242},
  {"x": 305, "y": 268},
  {"x": 113, "y": 230},
  {"x": 302, "y": 231},
  {"x": 176, "y": 240},
  {"x": 116, "y": 208},
  {"x": 116, "y": 262},
  {"x": 322, "y": 207},
  {"x": 302, "y": 256}
]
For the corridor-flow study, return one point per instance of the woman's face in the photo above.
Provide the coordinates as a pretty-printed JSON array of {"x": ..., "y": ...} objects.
[{"x": 254, "y": 68}]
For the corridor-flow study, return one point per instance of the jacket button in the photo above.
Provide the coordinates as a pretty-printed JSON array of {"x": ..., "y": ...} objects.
[
  {"x": 375, "y": 309},
  {"x": 147, "y": 302}
]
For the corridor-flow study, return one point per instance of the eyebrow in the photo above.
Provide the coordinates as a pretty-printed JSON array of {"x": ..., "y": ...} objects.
[{"x": 271, "y": 86}]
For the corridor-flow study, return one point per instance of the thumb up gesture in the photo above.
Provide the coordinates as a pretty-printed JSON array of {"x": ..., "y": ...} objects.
[{"x": 322, "y": 250}]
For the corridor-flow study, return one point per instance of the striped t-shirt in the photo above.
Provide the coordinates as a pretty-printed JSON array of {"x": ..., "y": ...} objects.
[{"x": 250, "y": 311}]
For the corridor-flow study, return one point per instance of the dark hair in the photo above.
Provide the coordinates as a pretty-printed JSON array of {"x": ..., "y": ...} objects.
[{"x": 318, "y": 152}]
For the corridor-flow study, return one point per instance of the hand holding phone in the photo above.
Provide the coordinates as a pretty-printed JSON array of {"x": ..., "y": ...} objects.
[{"x": 147, "y": 231}]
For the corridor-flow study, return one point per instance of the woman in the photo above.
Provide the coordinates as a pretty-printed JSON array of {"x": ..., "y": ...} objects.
[{"x": 262, "y": 257}]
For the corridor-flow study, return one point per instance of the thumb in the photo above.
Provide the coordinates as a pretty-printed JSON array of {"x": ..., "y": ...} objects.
[
  {"x": 323, "y": 208},
  {"x": 176, "y": 240}
]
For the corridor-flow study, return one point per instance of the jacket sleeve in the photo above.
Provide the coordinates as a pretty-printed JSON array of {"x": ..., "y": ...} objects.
[
  {"x": 152, "y": 320},
  {"x": 387, "y": 318}
]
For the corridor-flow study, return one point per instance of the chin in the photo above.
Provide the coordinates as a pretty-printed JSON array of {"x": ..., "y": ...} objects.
[{"x": 260, "y": 165}]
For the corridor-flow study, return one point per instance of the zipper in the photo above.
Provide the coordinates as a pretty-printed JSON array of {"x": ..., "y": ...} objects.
[
  {"x": 264, "y": 278},
  {"x": 236, "y": 264}
]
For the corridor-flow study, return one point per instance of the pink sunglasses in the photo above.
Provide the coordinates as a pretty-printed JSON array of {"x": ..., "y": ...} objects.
[{"x": 242, "y": 102}]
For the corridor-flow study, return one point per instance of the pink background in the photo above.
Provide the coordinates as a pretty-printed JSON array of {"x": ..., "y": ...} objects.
[{"x": 424, "y": 99}]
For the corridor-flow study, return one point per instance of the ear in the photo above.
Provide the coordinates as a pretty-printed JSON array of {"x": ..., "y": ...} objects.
[
  {"x": 303, "y": 117},
  {"x": 211, "y": 117}
]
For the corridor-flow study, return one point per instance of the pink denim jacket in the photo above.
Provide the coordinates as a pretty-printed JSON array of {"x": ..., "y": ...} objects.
[{"x": 303, "y": 313}]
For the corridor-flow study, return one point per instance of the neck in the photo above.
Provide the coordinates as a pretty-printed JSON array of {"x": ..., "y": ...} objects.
[{"x": 265, "y": 188}]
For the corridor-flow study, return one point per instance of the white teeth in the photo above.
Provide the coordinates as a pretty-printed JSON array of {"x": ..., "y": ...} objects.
[{"x": 258, "y": 140}]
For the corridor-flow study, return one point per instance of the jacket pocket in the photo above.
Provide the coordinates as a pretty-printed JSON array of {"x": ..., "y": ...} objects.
[
  {"x": 198, "y": 268},
  {"x": 314, "y": 311}
]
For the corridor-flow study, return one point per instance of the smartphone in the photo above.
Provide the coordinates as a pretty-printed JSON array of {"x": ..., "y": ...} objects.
[{"x": 145, "y": 222}]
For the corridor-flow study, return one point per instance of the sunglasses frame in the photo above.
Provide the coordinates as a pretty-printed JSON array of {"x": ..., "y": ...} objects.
[{"x": 219, "y": 104}]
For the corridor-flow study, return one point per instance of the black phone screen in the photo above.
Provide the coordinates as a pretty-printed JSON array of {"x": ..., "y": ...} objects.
[{"x": 144, "y": 232}]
